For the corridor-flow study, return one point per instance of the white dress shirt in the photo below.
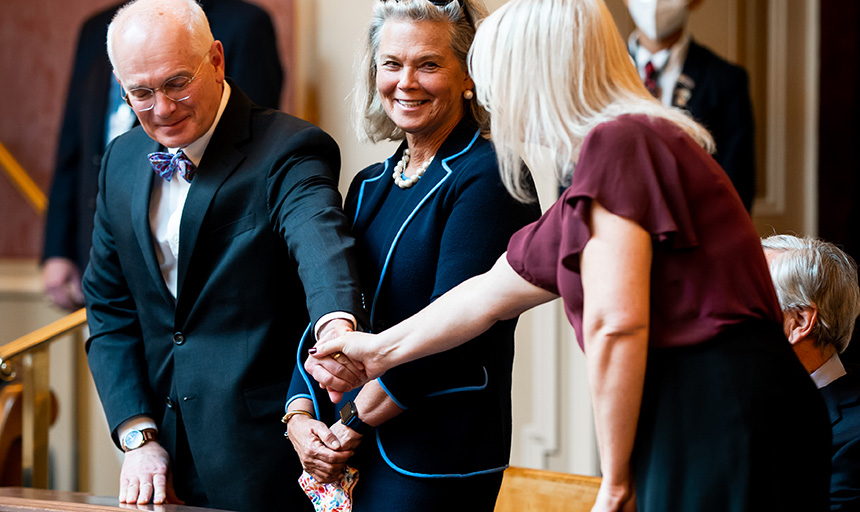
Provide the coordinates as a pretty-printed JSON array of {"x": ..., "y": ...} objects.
[
  {"x": 668, "y": 63},
  {"x": 168, "y": 200},
  {"x": 831, "y": 370},
  {"x": 165, "y": 214}
]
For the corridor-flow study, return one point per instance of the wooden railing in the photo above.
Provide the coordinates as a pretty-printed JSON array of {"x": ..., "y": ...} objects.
[
  {"x": 26, "y": 359},
  {"x": 539, "y": 490},
  {"x": 22, "y": 181}
]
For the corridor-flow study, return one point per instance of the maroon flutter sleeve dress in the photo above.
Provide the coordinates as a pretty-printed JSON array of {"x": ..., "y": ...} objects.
[
  {"x": 724, "y": 395},
  {"x": 708, "y": 269}
]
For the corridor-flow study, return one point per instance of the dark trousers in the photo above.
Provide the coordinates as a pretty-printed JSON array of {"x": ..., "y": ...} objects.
[{"x": 734, "y": 424}]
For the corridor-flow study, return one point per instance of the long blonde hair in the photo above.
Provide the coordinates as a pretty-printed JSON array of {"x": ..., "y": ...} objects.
[{"x": 549, "y": 71}]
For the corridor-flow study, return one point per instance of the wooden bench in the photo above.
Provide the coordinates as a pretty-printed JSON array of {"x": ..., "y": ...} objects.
[{"x": 536, "y": 490}]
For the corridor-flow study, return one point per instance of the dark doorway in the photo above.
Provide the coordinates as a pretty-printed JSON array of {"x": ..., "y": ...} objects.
[{"x": 839, "y": 133}]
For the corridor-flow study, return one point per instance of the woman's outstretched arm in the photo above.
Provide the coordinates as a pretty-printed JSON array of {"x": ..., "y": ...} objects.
[
  {"x": 453, "y": 319},
  {"x": 616, "y": 269}
]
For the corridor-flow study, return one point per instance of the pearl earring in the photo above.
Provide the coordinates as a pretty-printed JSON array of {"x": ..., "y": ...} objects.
[{"x": 468, "y": 94}]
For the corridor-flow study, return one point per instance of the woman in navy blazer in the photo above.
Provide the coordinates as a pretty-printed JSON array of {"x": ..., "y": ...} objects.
[{"x": 434, "y": 434}]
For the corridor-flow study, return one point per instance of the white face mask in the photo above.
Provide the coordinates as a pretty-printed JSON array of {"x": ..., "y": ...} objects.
[{"x": 658, "y": 19}]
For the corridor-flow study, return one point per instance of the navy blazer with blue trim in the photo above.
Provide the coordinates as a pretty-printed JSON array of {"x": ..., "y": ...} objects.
[{"x": 452, "y": 225}]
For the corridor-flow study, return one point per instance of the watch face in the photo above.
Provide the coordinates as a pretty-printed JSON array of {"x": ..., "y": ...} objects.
[
  {"x": 347, "y": 412},
  {"x": 133, "y": 439}
]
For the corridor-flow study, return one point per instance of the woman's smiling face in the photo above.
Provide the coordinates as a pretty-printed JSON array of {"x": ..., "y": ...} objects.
[{"x": 418, "y": 77}]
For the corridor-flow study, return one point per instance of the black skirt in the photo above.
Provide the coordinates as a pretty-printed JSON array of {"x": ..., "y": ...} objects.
[{"x": 734, "y": 424}]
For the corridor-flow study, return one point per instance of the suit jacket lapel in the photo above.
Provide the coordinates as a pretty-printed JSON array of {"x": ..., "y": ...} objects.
[
  {"x": 372, "y": 192},
  {"x": 439, "y": 171},
  {"x": 142, "y": 175},
  {"x": 685, "y": 92},
  {"x": 375, "y": 189},
  {"x": 839, "y": 395},
  {"x": 219, "y": 160}
]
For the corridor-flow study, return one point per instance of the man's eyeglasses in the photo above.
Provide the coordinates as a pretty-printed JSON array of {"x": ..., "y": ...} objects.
[{"x": 175, "y": 88}]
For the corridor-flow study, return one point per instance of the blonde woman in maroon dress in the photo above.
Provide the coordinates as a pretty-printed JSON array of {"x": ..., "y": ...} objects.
[{"x": 698, "y": 398}]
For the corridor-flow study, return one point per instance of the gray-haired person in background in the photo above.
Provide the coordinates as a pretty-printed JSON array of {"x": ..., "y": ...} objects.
[{"x": 817, "y": 287}]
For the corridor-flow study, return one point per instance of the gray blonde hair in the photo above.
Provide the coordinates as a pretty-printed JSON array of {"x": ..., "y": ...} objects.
[
  {"x": 811, "y": 272},
  {"x": 187, "y": 13},
  {"x": 370, "y": 120},
  {"x": 549, "y": 71}
]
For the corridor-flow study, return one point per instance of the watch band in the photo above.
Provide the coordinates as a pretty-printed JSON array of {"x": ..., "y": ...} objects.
[
  {"x": 349, "y": 417},
  {"x": 137, "y": 438}
]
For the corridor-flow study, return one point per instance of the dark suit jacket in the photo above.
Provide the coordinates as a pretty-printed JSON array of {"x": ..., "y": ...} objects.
[
  {"x": 252, "y": 60},
  {"x": 716, "y": 93},
  {"x": 452, "y": 225},
  {"x": 843, "y": 403},
  {"x": 264, "y": 250}
]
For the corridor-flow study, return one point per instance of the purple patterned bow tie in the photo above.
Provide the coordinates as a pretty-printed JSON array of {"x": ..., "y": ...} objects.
[{"x": 166, "y": 165}]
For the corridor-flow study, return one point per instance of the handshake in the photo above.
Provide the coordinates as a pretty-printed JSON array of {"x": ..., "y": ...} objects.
[{"x": 343, "y": 360}]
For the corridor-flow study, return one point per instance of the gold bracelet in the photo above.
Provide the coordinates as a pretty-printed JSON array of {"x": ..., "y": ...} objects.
[{"x": 289, "y": 415}]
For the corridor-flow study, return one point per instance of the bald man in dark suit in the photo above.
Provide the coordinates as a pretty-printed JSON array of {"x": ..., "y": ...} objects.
[
  {"x": 95, "y": 113},
  {"x": 219, "y": 243}
]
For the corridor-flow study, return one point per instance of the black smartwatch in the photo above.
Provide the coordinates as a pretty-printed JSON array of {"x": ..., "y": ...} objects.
[{"x": 349, "y": 417}]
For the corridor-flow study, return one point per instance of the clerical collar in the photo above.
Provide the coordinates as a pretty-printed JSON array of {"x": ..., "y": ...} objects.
[{"x": 831, "y": 370}]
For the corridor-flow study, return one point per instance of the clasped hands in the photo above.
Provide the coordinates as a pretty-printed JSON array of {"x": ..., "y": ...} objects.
[
  {"x": 343, "y": 360},
  {"x": 323, "y": 451}
]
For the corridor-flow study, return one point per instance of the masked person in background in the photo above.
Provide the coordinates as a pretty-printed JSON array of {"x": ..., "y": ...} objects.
[{"x": 681, "y": 73}]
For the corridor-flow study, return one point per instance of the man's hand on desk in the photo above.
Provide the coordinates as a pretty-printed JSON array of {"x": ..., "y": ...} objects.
[
  {"x": 149, "y": 507},
  {"x": 146, "y": 476}
]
